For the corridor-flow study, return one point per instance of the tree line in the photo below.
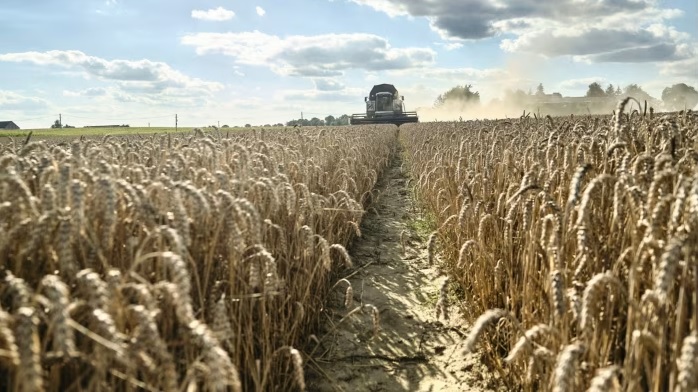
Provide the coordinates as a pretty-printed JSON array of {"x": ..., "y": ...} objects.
[
  {"x": 328, "y": 121},
  {"x": 676, "y": 97}
]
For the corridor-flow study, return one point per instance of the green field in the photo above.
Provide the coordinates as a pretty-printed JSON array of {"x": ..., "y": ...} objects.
[{"x": 71, "y": 132}]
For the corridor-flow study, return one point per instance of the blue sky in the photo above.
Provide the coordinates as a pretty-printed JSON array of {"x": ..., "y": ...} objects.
[{"x": 263, "y": 61}]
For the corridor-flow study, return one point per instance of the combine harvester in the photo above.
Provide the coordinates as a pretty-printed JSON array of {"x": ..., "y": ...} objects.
[{"x": 384, "y": 106}]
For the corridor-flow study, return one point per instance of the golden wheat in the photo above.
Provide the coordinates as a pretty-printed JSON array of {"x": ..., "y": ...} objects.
[{"x": 602, "y": 257}]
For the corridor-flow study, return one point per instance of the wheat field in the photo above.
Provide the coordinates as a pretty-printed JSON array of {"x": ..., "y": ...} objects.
[
  {"x": 190, "y": 262},
  {"x": 202, "y": 261},
  {"x": 573, "y": 244}
]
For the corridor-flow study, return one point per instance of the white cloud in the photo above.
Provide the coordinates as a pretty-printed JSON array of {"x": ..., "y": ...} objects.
[
  {"x": 237, "y": 71},
  {"x": 260, "y": 11},
  {"x": 685, "y": 70},
  {"x": 450, "y": 45},
  {"x": 346, "y": 95},
  {"x": 555, "y": 42},
  {"x": 638, "y": 54},
  {"x": 458, "y": 75},
  {"x": 600, "y": 44},
  {"x": 328, "y": 84},
  {"x": 141, "y": 82},
  {"x": 88, "y": 92},
  {"x": 392, "y": 8},
  {"x": 216, "y": 14},
  {"x": 596, "y": 30},
  {"x": 150, "y": 75},
  {"x": 11, "y": 101},
  {"x": 316, "y": 56}
]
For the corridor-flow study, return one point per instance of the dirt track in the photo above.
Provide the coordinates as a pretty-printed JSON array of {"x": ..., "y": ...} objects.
[{"x": 413, "y": 351}]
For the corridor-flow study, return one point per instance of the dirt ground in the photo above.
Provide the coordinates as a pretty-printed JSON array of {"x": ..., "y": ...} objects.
[{"x": 413, "y": 350}]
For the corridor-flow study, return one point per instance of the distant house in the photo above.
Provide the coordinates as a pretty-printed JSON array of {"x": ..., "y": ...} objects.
[{"x": 8, "y": 125}]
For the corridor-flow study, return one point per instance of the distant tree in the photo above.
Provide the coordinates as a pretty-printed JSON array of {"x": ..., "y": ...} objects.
[
  {"x": 266, "y": 125},
  {"x": 225, "y": 126},
  {"x": 635, "y": 91},
  {"x": 610, "y": 90},
  {"x": 540, "y": 91},
  {"x": 248, "y": 125},
  {"x": 595, "y": 90},
  {"x": 278, "y": 125},
  {"x": 302, "y": 122},
  {"x": 619, "y": 92},
  {"x": 463, "y": 94},
  {"x": 68, "y": 126},
  {"x": 680, "y": 96},
  {"x": 56, "y": 124},
  {"x": 329, "y": 120}
]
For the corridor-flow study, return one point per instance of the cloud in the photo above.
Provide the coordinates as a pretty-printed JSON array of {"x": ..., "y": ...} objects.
[
  {"x": 684, "y": 70},
  {"x": 475, "y": 19},
  {"x": 642, "y": 54},
  {"x": 328, "y": 84},
  {"x": 215, "y": 14},
  {"x": 11, "y": 101},
  {"x": 236, "y": 71},
  {"x": 450, "y": 45},
  {"x": 599, "y": 45},
  {"x": 89, "y": 92},
  {"x": 260, "y": 11},
  {"x": 313, "y": 56},
  {"x": 347, "y": 95},
  {"x": 459, "y": 74},
  {"x": 603, "y": 30},
  {"x": 592, "y": 41},
  {"x": 391, "y": 8},
  {"x": 153, "y": 76}
]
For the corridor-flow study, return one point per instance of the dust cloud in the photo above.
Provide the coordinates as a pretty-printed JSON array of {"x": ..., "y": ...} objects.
[
  {"x": 510, "y": 91},
  {"x": 516, "y": 104},
  {"x": 460, "y": 110}
]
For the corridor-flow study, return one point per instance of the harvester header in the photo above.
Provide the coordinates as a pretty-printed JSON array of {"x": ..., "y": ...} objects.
[{"x": 384, "y": 106}]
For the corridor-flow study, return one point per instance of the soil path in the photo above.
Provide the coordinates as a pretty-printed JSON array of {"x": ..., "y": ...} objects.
[{"x": 413, "y": 350}]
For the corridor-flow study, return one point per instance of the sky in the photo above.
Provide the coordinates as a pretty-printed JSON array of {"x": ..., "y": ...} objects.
[{"x": 141, "y": 62}]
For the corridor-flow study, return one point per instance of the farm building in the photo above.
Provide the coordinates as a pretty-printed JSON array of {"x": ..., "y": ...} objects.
[{"x": 8, "y": 125}]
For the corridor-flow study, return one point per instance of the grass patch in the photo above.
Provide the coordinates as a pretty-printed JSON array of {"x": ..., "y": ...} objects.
[
  {"x": 423, "y": 224},
  {"x": 431, "y": 298}
]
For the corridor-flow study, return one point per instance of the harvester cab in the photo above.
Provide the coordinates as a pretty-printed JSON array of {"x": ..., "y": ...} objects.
[{"x": 384, "y": 106}]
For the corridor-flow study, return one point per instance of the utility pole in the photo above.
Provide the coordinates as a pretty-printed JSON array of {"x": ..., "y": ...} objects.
[
  {"x": 301, "y": 115},
  {"x": 219, "y": 123},
  {"x": 60, "y": 120},
  {"x": 176, "y": 120}
]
